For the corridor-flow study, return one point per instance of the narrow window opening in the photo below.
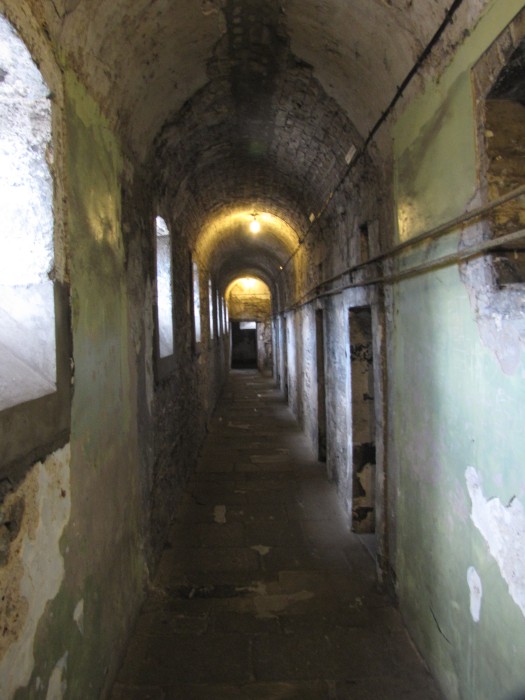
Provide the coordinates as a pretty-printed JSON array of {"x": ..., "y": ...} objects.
[
  {"x": 196, "y": 303},
  {"x": 27, "y": 306},
  {"x": 225, "y": 319},
  {"x": 164, "y": 288},
  {"x": 219, "y": 313},
  {"x": 212, "y": 310}
]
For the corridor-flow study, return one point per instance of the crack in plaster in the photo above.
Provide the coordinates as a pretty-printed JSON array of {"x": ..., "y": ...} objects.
[
  {"x": 439, "y": 627},
  {"x": 503, "y": 529}
]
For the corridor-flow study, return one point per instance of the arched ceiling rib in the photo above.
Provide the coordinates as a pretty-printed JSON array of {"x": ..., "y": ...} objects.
[
  {"x": 231, "y": 229},
  {"x": 278, "y": 122},
  {"x": 251, "y": 264},
  {"x": 226, "y": 187},
  {"x": 230, "y": 278},
  {"x": 145, "y": 59},
  {"x": 227, "y": 248},
  {"x": 251, "y": 268}
]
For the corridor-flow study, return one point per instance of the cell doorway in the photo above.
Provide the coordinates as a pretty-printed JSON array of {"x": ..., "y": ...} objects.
[
  {"x": 363, "y": 420},
  {"x": 321, "y": 390}
]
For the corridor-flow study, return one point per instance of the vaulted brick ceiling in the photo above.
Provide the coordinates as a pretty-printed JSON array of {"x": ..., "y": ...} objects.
[{"x": 244, "y": 104}]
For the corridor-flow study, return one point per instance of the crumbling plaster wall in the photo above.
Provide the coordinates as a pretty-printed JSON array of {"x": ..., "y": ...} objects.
[
  {"x": 184, "y": 398},
  {"x": 337, "y": 373},
  {"x": 78, "y": 536},
  {"x": 32, "y": 521},
  {"x": 104, "y": 557},
  {"x": 334, "y": 244},
  {"x": 265, "y": 347},
  {"x": 249, "y": 307},
  {"x": 456, "y": 407},
  {"x": 308, "y": 377},
  {"x": 75, "y": 566}
]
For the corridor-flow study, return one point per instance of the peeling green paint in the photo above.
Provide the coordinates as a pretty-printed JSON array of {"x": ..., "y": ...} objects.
[
  {"x": 35, "y": 571},
  {"x": 452, "y": 405},
  {"x": 436, "y": 135},
  {"x": 101, "y": 547}
]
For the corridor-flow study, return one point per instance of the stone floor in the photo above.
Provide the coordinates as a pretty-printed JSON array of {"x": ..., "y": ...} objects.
[{"x": 262, "y": 591}]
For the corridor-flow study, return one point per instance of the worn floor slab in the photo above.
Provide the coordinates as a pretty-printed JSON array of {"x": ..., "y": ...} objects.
[{"x": 262, "y": 592}]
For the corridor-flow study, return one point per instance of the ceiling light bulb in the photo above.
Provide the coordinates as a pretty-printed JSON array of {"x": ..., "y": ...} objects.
[{"x": 255, "y": 226}]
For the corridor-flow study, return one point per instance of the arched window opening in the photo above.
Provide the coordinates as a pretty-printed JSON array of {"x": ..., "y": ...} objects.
[
  {"x": 224, "y": 314},
  {"x": 27, "y": 307},
  {"x": 219, "y": 313},
  {"x": 505, "y": 150},
  {"x": 196, "y": 303},
  {"x": 164, "y": 288},
  {"x": 212, "y": 313}
]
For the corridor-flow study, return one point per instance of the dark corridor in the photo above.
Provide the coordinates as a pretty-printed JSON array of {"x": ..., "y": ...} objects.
[
  {"x": 262, "y": 591},
  {"x": 244, "y": 345}
]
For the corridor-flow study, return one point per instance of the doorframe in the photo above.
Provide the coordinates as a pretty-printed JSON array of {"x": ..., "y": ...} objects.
[
  {"x": 375, "y": 300},
  {"x": 322, "y": 433}
]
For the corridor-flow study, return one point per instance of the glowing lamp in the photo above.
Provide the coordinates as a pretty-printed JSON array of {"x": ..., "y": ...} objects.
[{"x": 255, "y": 226}]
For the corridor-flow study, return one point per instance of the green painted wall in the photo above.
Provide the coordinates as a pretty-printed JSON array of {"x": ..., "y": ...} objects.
[
  {"x": 453, "y": 407},
  {"x": 101, "y": 544},
  {"x": 105, "y": 466}
]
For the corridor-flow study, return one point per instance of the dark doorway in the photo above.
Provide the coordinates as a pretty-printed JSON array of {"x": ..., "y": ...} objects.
[
  {"x": 363, "y": 420},
  {"x": 321, "y": 391},
  {"x": 244, "y": 345}
]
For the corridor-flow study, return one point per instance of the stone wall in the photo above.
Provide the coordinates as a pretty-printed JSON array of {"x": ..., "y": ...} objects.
[
  {"x": 447, "y": 482},
  {"x": 265, "y": 347},
  {"x": 82, "y": 529},
  {"x": 455, "y": 400}
]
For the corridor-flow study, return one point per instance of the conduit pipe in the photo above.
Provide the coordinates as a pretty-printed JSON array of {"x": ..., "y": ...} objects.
[
  {"x": 431, "y": 234},
  {"x": 461, "y": 256},
  {"x": 384, "y": 116}
]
